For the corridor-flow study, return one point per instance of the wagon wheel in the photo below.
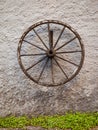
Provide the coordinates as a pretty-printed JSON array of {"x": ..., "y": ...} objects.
[{"x": 50, "y": 53}]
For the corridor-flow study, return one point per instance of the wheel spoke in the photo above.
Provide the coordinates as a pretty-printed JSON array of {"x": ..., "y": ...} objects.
[
  {"x": 34, "y": 45},
  {"x": 67, "y": 52},
  {"x": 51, "y": 39},
  {"x": 67, "y": 61},
  {"x": 49, "y": 35},
  {"x": 61, "y": 68},
  {"x": 43, "y": 69},
  {"x": 66, "y": 43},
  {"x": 35, "y": 63},
  {"x": 59, "y": 37},
  {"x": 52, "y": 70},
  {"x": 40, "y": 38},
  {"x": 33, "y": 54}
]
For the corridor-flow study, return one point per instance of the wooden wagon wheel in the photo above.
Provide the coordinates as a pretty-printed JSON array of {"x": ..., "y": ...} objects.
[{"x": 50, "y": 53}]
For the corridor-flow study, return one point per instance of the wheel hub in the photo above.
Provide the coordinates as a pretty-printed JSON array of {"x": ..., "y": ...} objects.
[{"x": 51, "y": 53}]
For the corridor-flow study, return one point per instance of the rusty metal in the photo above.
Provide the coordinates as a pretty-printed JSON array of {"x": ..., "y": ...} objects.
[{"x": 51, "y": 54}]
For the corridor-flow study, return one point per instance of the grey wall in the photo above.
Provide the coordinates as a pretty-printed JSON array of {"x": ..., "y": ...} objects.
[{"x": 19, "y": 95}]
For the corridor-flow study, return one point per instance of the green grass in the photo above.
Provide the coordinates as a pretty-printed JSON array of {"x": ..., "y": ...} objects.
[{"x": 75, "y": 121}]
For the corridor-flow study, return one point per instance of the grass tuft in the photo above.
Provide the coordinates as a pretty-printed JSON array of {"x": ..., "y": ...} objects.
[
  {"x": 75, "y": 121},
  {"x": 13, "y": 122}
]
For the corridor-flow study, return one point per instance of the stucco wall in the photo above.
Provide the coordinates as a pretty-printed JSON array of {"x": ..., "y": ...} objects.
[{"x": 18, "y": 94}]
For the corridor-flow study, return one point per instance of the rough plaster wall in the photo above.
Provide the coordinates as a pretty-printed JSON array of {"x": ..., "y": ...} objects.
[{"x": 19, "y": 95}]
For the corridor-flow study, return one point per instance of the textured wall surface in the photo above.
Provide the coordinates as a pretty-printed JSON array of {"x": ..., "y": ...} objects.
[{"x": 19, "y": 95}]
